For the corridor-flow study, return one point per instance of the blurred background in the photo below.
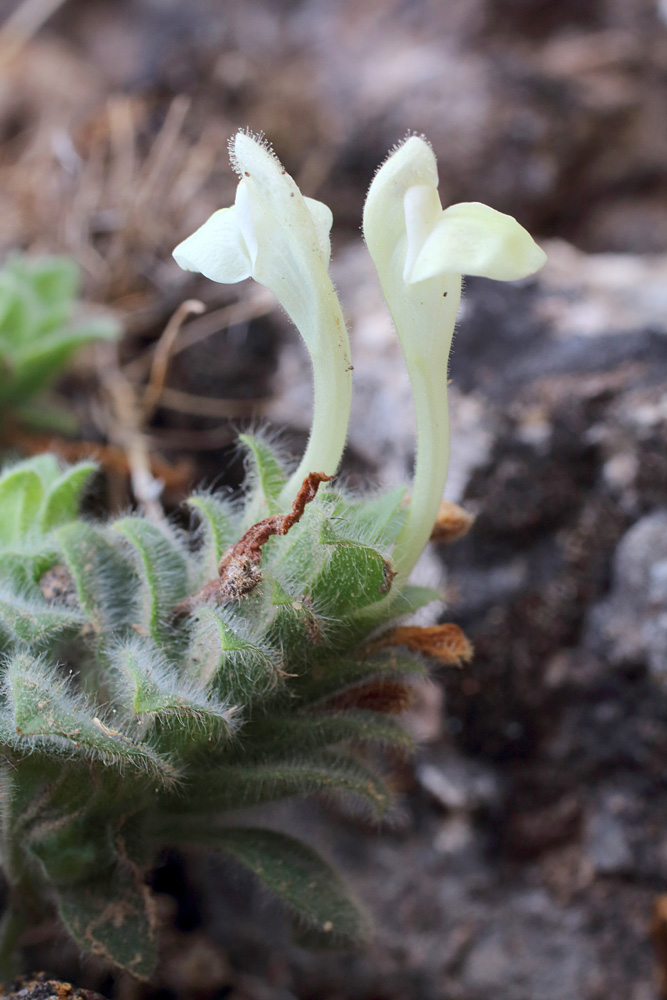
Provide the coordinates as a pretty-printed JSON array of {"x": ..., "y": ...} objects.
[{"x": 527, "y": 859}]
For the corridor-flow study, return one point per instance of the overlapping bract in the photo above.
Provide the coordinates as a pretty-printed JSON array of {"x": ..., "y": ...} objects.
[{"x": 126, "y": 728}]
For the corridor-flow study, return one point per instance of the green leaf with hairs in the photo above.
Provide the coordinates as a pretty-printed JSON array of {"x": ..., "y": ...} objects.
[
  {"x": 113, "y": 918},
  {"x": 243, "y": 785},
  {"x": 310, "y": 889},
  {"x": 106, "y": 582},
  {"x": 266, "y": 474},
  {"x": 43, "y": 705},
  {"x": 220, "y": 530},
  {"x": 31, "y": 620},
  {"x": 63, "y": 498},
  {"x": 154, "y": 690},
  {"x": 377, "y": 520},
  {"x": 164, "y": 571},
  {"x": 330, "y": 677},
  {"x": 276, "y": 734},
  {"x": 21, "y": 494},
  {"x": 224, "y": 655},
  {"x": 354, "y": 577}
]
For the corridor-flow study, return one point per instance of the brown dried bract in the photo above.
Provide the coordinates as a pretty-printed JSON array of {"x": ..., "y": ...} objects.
[
  {"x": 239, "y": 567},
  {"x": 445, "y": 643},
  {"x": 381, "y": 695},
  {"x": 452, "y": 523}
]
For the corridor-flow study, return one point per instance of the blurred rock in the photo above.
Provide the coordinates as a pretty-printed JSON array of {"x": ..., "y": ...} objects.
[
  {"x": 457, "y": 783},
  {"x": 629, "y": 627}
]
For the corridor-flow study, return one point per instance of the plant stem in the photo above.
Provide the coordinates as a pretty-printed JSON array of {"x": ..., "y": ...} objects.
[
  {"x": 332, "y": 389},
  {"x": 432, "y": 461}
]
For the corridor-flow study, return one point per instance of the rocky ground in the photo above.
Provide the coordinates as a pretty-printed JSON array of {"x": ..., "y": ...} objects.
[{"x": 528, "y": 856}]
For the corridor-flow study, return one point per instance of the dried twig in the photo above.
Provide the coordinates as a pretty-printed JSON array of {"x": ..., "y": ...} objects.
[
  {"x": 208, "y": 406},
  {"x": 204, "y": 327},
  {"x": 239, "y": 571},
  {"x": 126, "y": 429},
  {"x": 163, "y": 351},
  {"x": 22, "y": 24}
]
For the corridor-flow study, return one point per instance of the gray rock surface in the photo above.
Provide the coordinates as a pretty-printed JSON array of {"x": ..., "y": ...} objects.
[{"x": 629, "y": 627}]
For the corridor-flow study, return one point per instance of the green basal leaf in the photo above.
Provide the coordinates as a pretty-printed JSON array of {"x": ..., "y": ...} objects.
[
  {"x": 113, "y": 918},
  {"x": 155, "y": 691},
  {"x": 306, "y": 884},
  {"x": 376, "y": 521},
  {"x": 354, "y": 577},
  {"x": 21, "y": 494},
  {"x": 37, "y": 362},
  {"x": 243, "y": 785},
  {"x": 18, "y": 313},
  {"x": 224, "y": 656},
  {"x": 105, "y": 580},
  {"x": 164, "y": 571},
  {"x": 219, "y": 529},
  {"x": 331, "y": 677},
  {"x": 266, "y": 476},
  {"x": 53, "y": 280},
  {"x": 411, "y": 599},
  {"x": 44, "y": 706},
  {"x": 31, "y": 620},
  {"x": 277, "y": 734},
  {"x": 63, "y": 498}
]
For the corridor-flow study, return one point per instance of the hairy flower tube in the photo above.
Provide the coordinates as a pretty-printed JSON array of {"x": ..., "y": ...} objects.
[
  {"x": 420, "y": 253},
  {"x": 281, "y": 239}
]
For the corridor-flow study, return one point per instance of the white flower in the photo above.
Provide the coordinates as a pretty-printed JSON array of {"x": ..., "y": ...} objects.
[
  {"x": 421, "y": 253},
  {"x": 275, "y": 235}
]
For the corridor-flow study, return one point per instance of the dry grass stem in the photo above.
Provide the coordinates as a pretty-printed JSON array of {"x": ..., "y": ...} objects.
[
  {"x": 126, "y": 431},
  {"x": 163, "y": 352},
  {"x": 201, "y": 329},
  {"x": 207, "y": 406},
  {"x": 22, "y": 24}
]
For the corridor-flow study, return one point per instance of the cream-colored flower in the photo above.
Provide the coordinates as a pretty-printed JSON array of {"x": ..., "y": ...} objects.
[
  {"x": 275, "y": 235},
  {"x": 421, "y": 252}
]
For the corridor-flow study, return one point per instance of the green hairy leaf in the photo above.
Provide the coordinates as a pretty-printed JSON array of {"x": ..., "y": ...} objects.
[
  {"x": 40, "y": 330},
  {"x": 45, "y": 707},
  {"x": 219, "y": 530},
  {"x": 163, "y": 569},
  {"x": 307, "y": 885},
  {"x": 155, "y": 691},
  {"x": 265, "y": 475},
  {"x": 113, "y": 918}
]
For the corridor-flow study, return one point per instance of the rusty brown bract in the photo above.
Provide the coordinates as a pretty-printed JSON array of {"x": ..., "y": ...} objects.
[
  {"x": 239, "y": 571},
  {"x": 446, "y": 643},
  {"x": 452, "y": 523}
]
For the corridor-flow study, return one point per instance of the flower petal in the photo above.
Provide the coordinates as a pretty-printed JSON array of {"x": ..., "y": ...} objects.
[
  {"x": 423, "y": 211},
  {"x": 412, "y": 164},
  {"x": 474, "y": 239},
  {"x": 322, "y": 217},
  {"x": 217, "y": 249}
]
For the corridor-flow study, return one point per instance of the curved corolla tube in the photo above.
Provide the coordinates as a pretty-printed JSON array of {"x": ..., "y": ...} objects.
[
  {"x": 275, "y": 235},
  {"x": 420, "y": 253}
]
